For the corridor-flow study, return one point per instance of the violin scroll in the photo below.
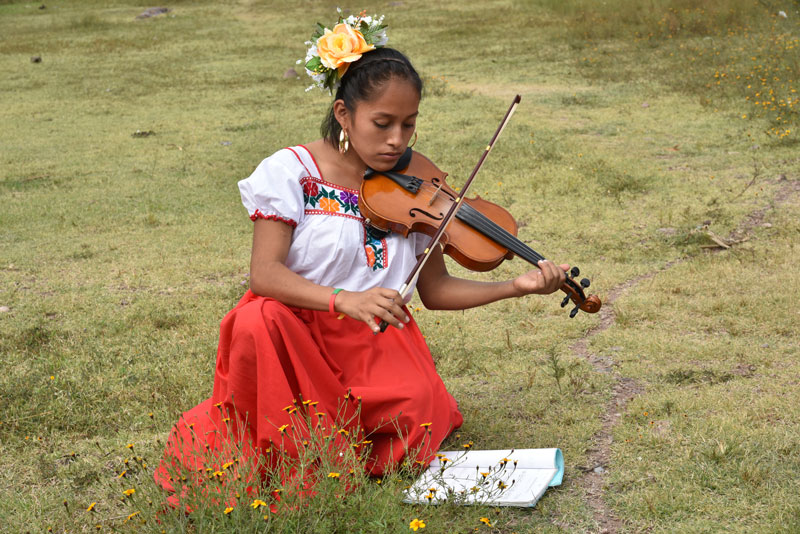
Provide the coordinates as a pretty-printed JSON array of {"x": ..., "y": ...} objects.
[{"x": 590, "y": 304}]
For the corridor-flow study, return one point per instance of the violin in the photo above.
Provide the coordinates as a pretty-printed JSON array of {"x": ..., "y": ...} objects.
[{"x": 414, "y": 197}]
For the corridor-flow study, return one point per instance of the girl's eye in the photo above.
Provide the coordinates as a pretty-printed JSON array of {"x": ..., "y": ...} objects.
[
  {"x": 409, "y": 126},
  {"x": 379, "y": 125}
]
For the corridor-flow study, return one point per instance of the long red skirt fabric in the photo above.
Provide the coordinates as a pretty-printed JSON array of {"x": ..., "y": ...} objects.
[{"x": 272, "y": 357}]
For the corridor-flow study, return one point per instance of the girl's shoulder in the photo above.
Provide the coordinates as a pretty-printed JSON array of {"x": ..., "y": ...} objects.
[
  {"x": 275, "y": 187},
  {"x": 294, "y": 162}
]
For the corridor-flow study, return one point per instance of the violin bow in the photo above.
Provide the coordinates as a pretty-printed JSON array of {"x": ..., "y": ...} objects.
[{"x": 412, "y": 277}]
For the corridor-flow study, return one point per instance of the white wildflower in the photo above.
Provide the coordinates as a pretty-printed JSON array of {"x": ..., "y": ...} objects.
[
  {"x": 782, "y": 13},
  {"x": 380, "y": 38},
  {"x": 311, "y": 53}
]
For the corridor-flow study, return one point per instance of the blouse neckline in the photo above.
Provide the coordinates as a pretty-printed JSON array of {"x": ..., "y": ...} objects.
[{"x": 322, "y": 178}]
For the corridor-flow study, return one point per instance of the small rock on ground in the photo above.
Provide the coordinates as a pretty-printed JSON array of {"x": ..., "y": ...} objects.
[{"x": 153, "y": 12}]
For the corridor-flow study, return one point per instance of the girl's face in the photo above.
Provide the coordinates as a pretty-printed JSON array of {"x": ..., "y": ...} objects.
[{"x": 380, "y": 128}]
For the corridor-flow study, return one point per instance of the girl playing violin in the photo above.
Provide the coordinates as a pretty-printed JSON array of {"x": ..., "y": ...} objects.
[{"x": 320, "y": 282}]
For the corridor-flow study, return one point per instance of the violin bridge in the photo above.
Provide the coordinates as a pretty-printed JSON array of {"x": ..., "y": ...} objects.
[{"x": 435, "y": 194}]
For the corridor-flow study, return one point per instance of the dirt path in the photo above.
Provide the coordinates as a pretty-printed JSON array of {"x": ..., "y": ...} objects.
[{"x": 625, "y": 389}]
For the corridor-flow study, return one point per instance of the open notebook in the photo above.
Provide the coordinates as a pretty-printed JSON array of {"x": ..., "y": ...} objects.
[{"x": 516, "y": 477}]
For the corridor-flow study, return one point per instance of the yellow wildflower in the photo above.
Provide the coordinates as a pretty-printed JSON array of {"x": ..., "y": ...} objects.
[
  {"x": 258, "y": 503},
  {"x": 416, "y": 524}
]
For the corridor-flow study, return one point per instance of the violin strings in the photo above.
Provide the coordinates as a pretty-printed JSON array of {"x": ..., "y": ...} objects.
[
  {"x": 490, "y": 229},
  {"x": 497, "y": 233}
]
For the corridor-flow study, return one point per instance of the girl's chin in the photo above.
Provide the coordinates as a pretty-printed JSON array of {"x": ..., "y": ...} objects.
[{"x": 383, "y": 163}]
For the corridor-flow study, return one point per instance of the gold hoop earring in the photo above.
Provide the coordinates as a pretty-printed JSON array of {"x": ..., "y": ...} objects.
[
  {"x": 344, "y": 142},
  {"x": 415, "y": 140}
]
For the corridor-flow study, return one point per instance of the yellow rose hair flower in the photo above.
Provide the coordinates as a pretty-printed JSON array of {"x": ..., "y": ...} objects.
[
  {"x": 341, "y": 46},
  {"x": 330, "y": 52}
]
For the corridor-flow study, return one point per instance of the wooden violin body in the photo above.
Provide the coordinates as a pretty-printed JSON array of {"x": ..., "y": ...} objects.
[
  {"x": 387, "y": 206},
  {"x": 481, "y": 235}
]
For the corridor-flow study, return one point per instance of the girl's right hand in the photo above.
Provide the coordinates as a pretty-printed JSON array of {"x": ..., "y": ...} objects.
[{"x": 385, "y": 304}]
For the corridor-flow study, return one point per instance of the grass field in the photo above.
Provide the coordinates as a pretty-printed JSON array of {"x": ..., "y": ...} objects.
[{"x": 656, "y": 147}]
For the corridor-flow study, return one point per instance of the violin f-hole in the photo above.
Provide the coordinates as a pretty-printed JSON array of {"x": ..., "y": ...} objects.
[{"x": 413, "y": 213}]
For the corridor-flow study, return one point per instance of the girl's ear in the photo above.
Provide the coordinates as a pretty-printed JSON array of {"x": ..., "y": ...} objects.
[{"x": 341, "y": 113}]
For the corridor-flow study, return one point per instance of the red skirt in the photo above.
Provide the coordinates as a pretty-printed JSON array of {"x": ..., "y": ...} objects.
[{"x": 272, "y": 358}]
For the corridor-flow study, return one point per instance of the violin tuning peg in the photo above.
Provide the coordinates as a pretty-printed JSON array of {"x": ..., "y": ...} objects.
[
  {"x": 585, "y": 283},
  {"x": 575, "y": 272},
  {"x": 565, "y": 301},
  {"x": 574, "y": 312}
]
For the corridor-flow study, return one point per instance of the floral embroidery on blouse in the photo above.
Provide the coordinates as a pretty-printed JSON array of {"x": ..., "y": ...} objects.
[
  {"x": 322, "y": 198},
  {"x": 376, "y": 251}
]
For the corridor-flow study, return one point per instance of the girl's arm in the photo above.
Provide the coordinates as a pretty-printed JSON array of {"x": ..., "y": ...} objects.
[
  {"x": 440, "y": 291},
  {"x": 269, "y": 277}
]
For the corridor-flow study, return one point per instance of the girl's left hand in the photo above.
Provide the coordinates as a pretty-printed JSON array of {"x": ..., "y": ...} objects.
[{"x": 548, "y": 279}]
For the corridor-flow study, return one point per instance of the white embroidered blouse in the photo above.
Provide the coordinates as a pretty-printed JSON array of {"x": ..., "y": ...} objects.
[{"x": 330, "y": 245}]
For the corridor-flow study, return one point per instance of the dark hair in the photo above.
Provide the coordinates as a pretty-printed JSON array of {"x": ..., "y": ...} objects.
[{"x": 363, "y": 78}]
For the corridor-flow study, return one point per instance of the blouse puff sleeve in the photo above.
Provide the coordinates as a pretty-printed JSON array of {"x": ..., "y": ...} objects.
[{"x": 273, "y": 191}]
